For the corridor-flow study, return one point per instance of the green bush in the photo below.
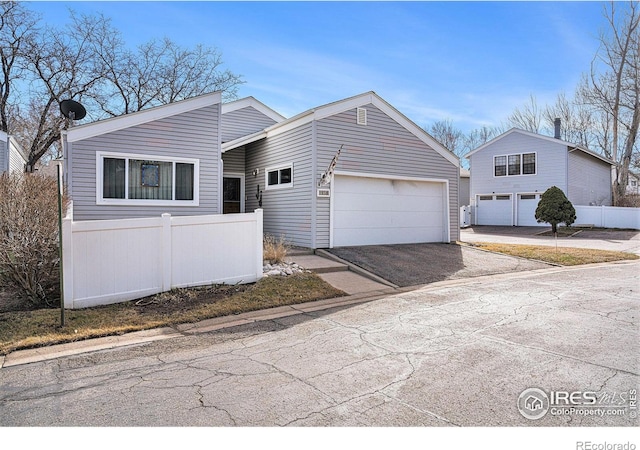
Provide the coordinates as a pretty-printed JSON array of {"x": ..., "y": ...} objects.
[
  {"x": 554, "y": 208},
  {"x": 29, "y": 259}
]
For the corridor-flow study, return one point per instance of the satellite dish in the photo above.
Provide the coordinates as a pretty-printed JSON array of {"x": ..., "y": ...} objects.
[{"x": 72, "y": 110}]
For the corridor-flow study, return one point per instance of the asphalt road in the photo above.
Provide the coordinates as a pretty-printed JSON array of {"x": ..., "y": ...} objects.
[{"x": 459, "y": 353}]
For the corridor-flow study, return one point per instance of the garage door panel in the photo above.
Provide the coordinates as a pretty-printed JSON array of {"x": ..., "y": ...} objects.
[
  {"x": 374, "y": 236},
  {"x": 494, "y": 212},
  {"x": 368, "y": 211},
  {"x": 382, "y": 219},
  {"x": 527, "y": 205}
]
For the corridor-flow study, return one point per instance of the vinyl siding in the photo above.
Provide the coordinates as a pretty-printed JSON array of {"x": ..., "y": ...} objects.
[
  {"x": 242, "y": 122},
  {"x": 16, "y": 160},
  {"x": 4, "y": 156},
  {"x": 589, "y": 180},
  {"x": 193, "y": 134},
  {"x": 381, "y": 147},
  {"x": 286, "y": 211},
  {"x": 233, "y": 160},
  {"x": 551, "y": 167}
]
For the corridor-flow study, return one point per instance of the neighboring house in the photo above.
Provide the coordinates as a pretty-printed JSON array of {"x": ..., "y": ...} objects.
[
  {"x": 510, "y": 172},
  {"x": 465, "y": 186},
  {"x": 11, "y": 155},
  {"x": 633, "y": 184},
  {"x": 393, "y": 182}
]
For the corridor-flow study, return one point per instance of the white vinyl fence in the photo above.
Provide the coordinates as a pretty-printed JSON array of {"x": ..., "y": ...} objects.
[
  {"x": 111, "y": 261},
  {"x": 465, "y": 216},
  {"x": 608, "y": 216}
]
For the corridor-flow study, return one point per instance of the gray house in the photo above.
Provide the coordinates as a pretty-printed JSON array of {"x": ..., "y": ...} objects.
[
  {"x": 11, "y": 156},
  {"x": 510, "y": 172},
  {"x": 391, "y": 183}
]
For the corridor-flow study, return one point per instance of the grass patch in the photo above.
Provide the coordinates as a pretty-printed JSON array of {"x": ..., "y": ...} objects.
[
  {"x": 564, "y": 256},
  {"x": 562, "y": 232},
  {"x": 38, "y": 328}
]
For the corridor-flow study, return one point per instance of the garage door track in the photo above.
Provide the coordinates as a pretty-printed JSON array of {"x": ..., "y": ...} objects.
[{"x": 416, "y": 264}]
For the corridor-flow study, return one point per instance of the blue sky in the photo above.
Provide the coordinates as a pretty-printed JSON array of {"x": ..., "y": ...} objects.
[{"x": 468, "y": 62}]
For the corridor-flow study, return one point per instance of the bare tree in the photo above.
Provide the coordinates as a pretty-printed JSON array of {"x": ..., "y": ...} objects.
[
  {"x": 448, "y": 135},
  {"x": 63, "y": 64},
  {"x": 159, "y": 72},
  {"x": 577, "y": 122},
  {"x": 615, "y": 90},
  {"x": 528, "y": 117},
  {"x": 17, "y": 27},
  {"x": 87, "y": 60}
]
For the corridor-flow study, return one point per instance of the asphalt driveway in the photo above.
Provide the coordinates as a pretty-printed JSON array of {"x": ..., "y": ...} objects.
[{"x": 417, "y": 264}]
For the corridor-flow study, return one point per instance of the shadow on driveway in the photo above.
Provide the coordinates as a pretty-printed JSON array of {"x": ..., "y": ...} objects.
[{"x": 415, "y": 264}]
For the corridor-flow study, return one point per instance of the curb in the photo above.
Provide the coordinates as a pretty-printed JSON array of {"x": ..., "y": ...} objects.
[
  {"x": 28, "y": 356},
  {"x": 20, "y": 357}
]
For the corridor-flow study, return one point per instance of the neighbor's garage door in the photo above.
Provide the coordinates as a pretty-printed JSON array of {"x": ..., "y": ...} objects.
[
  {"x": 527, "y": 204},
  {"x": 494, "y": 210},
  {"x": 372, "y": 211}
]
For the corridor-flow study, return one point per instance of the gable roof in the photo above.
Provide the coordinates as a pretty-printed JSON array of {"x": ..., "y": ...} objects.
[
  {"x": 338, "y": 107},
  {"x": 80, "y": 132},
  {"x": 570, "y": 147},
  {"x": 248, "y": 102}
]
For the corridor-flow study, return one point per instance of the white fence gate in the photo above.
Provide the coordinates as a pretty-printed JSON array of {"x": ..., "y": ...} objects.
[
  {"x": 111, "y": 261},
  {"x": 608, "y": 217},
  {"x": 465, "y": 216}
]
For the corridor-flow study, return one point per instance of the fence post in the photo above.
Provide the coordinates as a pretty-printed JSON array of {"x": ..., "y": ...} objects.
[
  {"x": 259, "y": 243},
  {"x": 166, "y": 252},
  {"x": 67, "y": 259},
  {"x": 603, "y": 217}
]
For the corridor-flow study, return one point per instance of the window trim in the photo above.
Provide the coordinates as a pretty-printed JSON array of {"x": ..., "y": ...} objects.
[
  {"x": 521, "y": 174},
  {"x": 100, "y": 156},
  {"x": 270, "y": 187}
]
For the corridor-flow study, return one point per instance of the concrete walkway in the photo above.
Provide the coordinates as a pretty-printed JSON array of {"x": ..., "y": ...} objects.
[{"x": 340, "y": 274}]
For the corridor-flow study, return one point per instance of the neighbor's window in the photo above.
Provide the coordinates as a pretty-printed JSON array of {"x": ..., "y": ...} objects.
[
  {"x": 124, "y": 178},
  {"x": 529, "y": 163},
  {"x": 500, "y": 164},
  {"x": 279, "y": 177},
  {"x": 513, "y": 165}
]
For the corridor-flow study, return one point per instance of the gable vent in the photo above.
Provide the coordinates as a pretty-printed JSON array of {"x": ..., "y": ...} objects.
[{"x": 362, "y": 116}]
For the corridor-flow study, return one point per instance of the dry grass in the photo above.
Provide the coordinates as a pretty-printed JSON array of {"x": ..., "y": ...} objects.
[
  {"x": 28, "y": 329},
  {"x": 565, "y": 256},
  {"x": 275, "y": 250}
]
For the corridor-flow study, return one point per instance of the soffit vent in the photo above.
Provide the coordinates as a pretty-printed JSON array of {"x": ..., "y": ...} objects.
[{"x": 362, "y": 116}]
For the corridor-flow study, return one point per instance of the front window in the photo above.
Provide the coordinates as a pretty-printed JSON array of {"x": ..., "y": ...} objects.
[
  {"x": 152, "y": 180},
  {"x": 279, "y": 177}
]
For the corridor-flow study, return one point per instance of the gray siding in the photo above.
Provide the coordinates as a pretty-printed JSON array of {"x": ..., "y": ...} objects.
[
  {"x": 589, "y": 180},
  {"x": 381, "y": 147},
  {"x": 551, "y": 166},
  {"x": 194, "y": 134},
  {"x": 242, "y": 122},
  {"x": 464, "y": 198},
  {"x": 16, "y": 160},
  {"x": 233, "y": 160},
  {"x": 4, "y": 156},
  {"x": 286, "y": 211}
]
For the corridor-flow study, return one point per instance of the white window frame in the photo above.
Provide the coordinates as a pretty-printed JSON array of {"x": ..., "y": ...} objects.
[
  {"x": 521, "y": 174},
  {"x": 100, "y": 156},
  {"x": 280, "y": 185}
]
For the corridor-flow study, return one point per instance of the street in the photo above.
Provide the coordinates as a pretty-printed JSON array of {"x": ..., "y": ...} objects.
[{"x": 458, "y": 353}]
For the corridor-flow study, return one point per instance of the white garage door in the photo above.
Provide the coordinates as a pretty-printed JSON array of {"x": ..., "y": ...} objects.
[
  {"x": 494, "y": 210},
  {"x": 527, "y": 204},
  {"x": 372, "y": 211}
]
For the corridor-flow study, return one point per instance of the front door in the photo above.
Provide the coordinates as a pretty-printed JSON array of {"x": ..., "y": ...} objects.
[{"x": 232, "y": 195}]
